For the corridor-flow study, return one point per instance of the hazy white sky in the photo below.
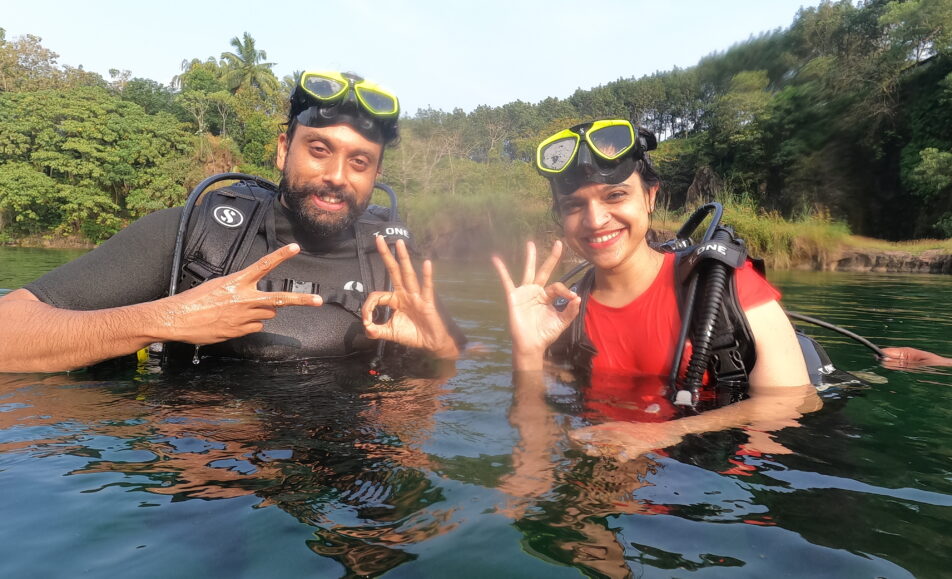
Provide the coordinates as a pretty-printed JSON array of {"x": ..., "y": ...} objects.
[{"x": 448, "y": 54}]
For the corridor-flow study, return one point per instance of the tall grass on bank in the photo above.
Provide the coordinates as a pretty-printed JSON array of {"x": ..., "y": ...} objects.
[
  {"x": 915, "y": 246},
  {"x": 811, "y": 239},
  {"x": 482, "y": 217}
]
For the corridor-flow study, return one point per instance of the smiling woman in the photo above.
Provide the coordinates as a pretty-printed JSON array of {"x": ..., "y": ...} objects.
[{"x": 625, "y": 317}]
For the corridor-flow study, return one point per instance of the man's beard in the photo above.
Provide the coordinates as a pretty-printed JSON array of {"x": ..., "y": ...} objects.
[{"x": 320, "y": 222}]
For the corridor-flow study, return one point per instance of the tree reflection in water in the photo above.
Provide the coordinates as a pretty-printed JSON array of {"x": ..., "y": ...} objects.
[{"x": 338, "y": 451}]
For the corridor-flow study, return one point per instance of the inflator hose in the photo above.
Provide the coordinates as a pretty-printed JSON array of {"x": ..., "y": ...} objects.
[
  {"x": 713, "y": 290},
  {"x": 394, "y": 216}
]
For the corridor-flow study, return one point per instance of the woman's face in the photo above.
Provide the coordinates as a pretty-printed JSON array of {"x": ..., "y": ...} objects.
[{"x": 606, "y": 224}]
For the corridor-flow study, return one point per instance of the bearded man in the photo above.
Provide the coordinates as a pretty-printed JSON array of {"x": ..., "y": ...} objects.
[{"x": 250, "y": 273}]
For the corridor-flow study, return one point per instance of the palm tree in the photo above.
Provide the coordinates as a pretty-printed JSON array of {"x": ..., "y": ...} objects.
[
  {"x": 290, "y": 81},
  {"x": 197, "y": 74},
  {"x": 245, "y": 68}
]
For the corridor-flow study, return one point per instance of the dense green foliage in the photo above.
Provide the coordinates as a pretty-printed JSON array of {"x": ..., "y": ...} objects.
[
  {"x": 846, "y": 116},
  {"x": 79, "y": 160}
]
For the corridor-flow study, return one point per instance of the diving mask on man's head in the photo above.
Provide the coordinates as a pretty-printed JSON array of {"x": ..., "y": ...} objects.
[
  {"x": 327, "y": 98},
  {"x": 605, "y": 151}
]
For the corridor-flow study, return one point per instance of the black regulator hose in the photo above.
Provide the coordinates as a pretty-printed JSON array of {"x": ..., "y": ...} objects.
[
  {"x": 716, "y": 275},
  {"x": 683, "y": 333},
  {"x": 811, "y": 320},
  {"x": 688, "y": 314},
  {"x": 394, "y": 216},
  {"x": 698, "y": 216}
]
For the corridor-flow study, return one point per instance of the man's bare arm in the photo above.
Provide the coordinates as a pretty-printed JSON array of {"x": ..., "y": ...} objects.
[{"x": 38, "y": 337}]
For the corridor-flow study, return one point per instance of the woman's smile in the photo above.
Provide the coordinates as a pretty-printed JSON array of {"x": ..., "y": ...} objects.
[{"x": 604, "y": 239}]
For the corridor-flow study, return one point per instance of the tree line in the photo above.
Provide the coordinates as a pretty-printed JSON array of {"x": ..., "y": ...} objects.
[{"x": 847, "y": 112}]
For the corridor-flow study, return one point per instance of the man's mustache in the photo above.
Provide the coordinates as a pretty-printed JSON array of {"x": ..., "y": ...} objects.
[{"x": 308, "y": 189}]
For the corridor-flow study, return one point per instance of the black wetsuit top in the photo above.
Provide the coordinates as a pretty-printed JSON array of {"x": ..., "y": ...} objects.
[{"x": 134, "y": 267}]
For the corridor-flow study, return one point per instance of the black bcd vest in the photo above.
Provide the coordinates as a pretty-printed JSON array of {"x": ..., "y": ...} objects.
[
  {"x": 226, "y": 225},
  {"x": 733, "y": 353}
]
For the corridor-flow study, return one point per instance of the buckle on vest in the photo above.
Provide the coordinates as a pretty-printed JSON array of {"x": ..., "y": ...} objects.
[
  {"x": 728, "y": 364},
  {"x": 301, "y": 287},
  {"x": 195, "y": 273}
]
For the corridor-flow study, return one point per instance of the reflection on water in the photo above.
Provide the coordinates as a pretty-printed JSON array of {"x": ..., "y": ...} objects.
[
  {"x": 21, "y": 265},
  {"x": 318, "y": 470}
]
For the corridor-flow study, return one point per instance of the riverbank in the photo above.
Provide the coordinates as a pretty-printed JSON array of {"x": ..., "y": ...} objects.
[
  {"x": 862, "y": 254},
  {"x": 51, "y": 242},
  {"x": 811, "y": 243},
  {"x": 855, "y": 259},
  {"x": 856, "y": 254}
]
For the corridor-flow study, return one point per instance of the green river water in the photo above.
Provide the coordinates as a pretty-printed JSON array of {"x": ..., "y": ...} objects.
[{"x": 303, "y": 470}]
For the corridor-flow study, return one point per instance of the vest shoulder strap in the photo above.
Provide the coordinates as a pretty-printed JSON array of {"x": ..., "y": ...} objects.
[
  {"x": 574, "y": 346},
  {"x": 226, "y": 223}
]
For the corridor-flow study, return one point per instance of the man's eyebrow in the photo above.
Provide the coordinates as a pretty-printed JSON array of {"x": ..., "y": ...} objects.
[
  {"x": 353, "y": 152},
  {"x": 365, "y": 152},
  {"x": 318, "y": 139}
]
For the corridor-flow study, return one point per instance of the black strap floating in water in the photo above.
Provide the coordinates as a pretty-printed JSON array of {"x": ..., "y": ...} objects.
[{"x": 835, "y": 328}]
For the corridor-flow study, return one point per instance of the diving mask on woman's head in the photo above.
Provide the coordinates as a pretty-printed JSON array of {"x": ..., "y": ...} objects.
[
  {"x": 326, "y": 98},
  {"x": 605, "y": 151}
]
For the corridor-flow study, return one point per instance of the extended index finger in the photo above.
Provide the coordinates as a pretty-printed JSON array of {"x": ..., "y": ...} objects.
[
  {"x": 285, "y": 299},
  {"x": 542, "y": 276},
  {"x": 256, "y": 271},
  {"x": 389, "y": 262},
  {"x": 504, "y": 276}
]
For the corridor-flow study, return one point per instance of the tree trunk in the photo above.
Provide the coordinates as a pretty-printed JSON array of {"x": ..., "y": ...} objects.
[{"x": 704, "y": 188}]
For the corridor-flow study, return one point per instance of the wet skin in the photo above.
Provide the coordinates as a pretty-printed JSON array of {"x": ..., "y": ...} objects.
[
  {"x": 329, "y": 173},
  {"x": 607, "y": 224}
]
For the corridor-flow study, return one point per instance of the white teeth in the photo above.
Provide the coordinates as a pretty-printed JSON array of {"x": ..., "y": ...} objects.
[
  {"x": 606, "y": 237},
  {"x": 330, "y": 199}
]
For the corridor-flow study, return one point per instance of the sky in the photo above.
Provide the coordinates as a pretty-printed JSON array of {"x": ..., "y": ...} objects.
[{"x": 441, "y": 54}]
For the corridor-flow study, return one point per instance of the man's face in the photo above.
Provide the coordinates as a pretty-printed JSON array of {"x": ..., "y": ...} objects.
[{"x": 328, "y": 176}]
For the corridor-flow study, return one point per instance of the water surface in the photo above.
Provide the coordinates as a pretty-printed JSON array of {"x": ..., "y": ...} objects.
[{"x": 309, "y": 470}]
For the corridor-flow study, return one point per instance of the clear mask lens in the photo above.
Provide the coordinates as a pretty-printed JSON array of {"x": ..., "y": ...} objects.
[
  {"x": 556, "y": 155},
  {"x": 612, "y": 142},
  {"x": 376, "y": 101},
  {"x": 324, "y": 87}
]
